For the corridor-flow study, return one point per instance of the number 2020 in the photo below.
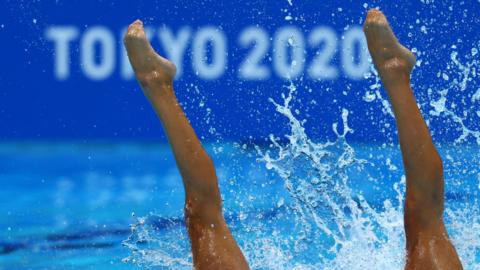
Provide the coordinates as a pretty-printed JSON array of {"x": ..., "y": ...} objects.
[{"x": 289, "y": 53}]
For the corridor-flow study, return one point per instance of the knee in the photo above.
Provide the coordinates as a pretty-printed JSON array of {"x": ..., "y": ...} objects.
[
  {"x": 435, "y": 169},
  {"x": 201, "y": 183},
  {"x": 429, "y": 169},
  {"x": 425, "y": 185},
  {"x": 202, "y": 212},
  {"x": 423, "y": 214}
]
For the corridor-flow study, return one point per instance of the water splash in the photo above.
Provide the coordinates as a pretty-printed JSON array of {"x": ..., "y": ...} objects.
[
  {"x": 318, "y": 176},
  {"x": 150, "y": 246},
  {"x": 459, "y": 80},
  {"x": 326, "y": 223}
]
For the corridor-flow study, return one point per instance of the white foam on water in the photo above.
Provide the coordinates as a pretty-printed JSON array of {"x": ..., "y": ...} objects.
[
  {"x": 328, "y": 206},
  {"x": 150, "y": 247},
  {"x": 334, "y": 226}
]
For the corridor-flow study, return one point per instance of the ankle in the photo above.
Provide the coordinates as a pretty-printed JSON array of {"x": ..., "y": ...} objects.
[
  {"x": 155, "y": 87},
  {"x": 393, "y": 75},
  {"x": 155, "y": 79}
]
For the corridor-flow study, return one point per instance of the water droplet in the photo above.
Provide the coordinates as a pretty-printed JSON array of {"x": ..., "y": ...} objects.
[
  {"x": 290, "y": 41},
  {"x": 423, "y": 29},
  {"x": 474, "y": 51},
  {"x": 280, "y": 203},
  {"x": 369, "y": 96}
]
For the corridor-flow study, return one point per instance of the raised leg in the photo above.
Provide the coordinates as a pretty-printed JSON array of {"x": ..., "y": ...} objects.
[
  {"x": 428, "y": 244},
  {"x": 213, "y": 246}
]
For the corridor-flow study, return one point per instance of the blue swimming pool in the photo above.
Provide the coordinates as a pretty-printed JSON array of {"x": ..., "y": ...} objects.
[
  {"x": 78, "y": 211},
  {"x": 283, "y": 94}
]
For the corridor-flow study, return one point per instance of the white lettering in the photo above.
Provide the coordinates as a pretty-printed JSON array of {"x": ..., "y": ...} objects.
[
  {"x": 321, "y": 67},
  {"x": 352, "y": 69},
  {"x": 218, "y": 42},
  {"x": 252, "y": 68},
  {"x": 62, "y": 36},
  {"x": 288, "y": 38},
  {"x": 106, "y": 65}
]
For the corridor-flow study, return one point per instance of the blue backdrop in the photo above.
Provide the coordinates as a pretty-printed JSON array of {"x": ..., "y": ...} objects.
[{"x": 64, "y": 75}]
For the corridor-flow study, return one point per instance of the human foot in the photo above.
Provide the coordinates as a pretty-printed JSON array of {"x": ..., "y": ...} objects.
[
  {"x": 152, "y": 71},
  {"x": 387, "y": 53}
]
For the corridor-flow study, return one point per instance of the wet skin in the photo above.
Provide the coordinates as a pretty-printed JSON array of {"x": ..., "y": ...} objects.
[
  {"x": 428, "y": 244},
  {"x": 213, "y": 246}
]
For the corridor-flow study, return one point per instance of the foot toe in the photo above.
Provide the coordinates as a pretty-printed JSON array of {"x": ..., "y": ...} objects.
[
  {"x": 135, "y": 30},
  {"x": 375, "y": 14},
  {"x": 375, "y": 18},
  {"x": 136, "y": 23}
]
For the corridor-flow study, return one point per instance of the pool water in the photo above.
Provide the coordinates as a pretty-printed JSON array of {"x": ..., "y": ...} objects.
[
  {"x": 310, "y": 196},
  {"x": 291, "y": 203}
]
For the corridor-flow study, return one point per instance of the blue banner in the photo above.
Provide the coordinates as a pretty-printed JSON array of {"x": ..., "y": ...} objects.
[{"x": 65, "y": 74}]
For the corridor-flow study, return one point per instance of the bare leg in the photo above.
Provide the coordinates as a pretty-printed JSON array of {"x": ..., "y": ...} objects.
[
  {"x": 213, "y": 246},
  {"x": 428, "y": 244}
]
